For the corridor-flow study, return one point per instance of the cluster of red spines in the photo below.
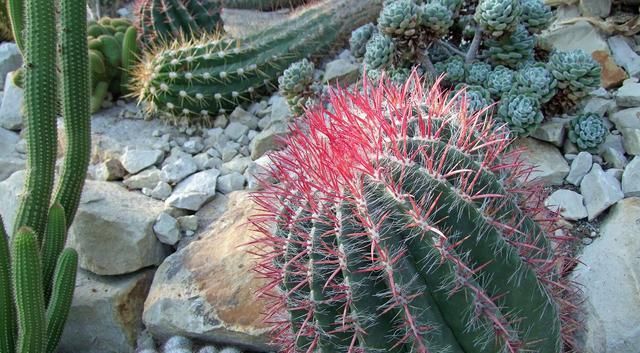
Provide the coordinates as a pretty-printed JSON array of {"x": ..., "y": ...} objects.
[{"x": 327, "y": 157}]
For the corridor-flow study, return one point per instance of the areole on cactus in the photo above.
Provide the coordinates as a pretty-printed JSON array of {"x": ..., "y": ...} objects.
[{"x": 398, "y": 223}]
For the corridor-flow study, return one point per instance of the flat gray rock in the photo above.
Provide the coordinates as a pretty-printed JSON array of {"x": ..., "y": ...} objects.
[
  {"x": 580, "y": 166},
  {"x": 195, "y": 191},
  {"x": 11, "y": 108},
  {"x": 631, "y": 178},
  {"x": 623, "y": 54},
  {"x": 568, "y": 203},
  {"x": 600, "y": 190}
]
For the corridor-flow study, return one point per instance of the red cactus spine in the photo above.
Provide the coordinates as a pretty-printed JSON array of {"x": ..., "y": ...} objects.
[{"x": 401, "y": 225}]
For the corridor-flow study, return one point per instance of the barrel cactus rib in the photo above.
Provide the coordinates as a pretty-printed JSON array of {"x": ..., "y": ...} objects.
[
  {"x": 444, "y": 229},
  {"x": 40, "y": 102}
]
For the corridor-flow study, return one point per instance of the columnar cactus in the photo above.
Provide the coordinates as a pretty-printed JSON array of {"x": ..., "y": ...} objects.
[
  {"x": 397, "y": 224},
  {"x": 195, "y": 81},
  {"x": 587, "y": 131},
  {"x": 36, "y": 299},
  {"x": 161, "y": 21}
]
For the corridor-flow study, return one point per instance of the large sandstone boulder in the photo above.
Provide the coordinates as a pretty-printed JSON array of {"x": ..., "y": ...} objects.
[
  {"x": 207, "y": 290},
  {"x": 106, "y": 313},
  {"x": 609, "y": 274},
  {"x": 113, "y": 230}
]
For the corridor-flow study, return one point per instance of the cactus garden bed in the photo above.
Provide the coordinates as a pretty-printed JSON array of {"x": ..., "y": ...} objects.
[{"x": 319, "y": 176}]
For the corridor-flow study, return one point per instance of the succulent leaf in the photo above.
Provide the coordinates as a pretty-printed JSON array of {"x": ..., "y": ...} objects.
[{"x": 587, "y": 131}]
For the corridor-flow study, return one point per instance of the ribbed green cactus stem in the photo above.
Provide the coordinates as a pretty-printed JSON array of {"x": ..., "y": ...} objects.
[
  {"x": 98, "y": 95},
  {"x": 130, "y": 53},
  {"x": 64, "y": 282},
  {"x": 401, "y": 225},
  {"x": 161, "y": 21},
  {"x": 29, "y": 298},
  {"x": 195, "y": 81},
  {"x": 263, "y": 5},
  {"x": 75, "y": 105},
  {"x": 52, "y": 245},
  {"x": 16, "y": 15},
  {"x": 7, "y": 310},
  {"x": 40, "y": 101}
]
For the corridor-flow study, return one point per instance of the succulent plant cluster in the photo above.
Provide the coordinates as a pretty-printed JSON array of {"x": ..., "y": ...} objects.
[
  {"x": 587, "y": 131},
  {"x": 398, "y": 226},
  {"x": 297, "y": 85},
  {"x": 490, "y": 43}
]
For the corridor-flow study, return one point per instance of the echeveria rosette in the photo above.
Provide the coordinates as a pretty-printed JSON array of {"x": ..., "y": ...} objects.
[
  {"x": 295, "y": 84},
  {"x": 379, "y": 52},
  {"x": 500, "y": 81},
  {"x": 437, "y": 18},
  {"x": 453, "y": 69},
  {"x": 536, "y": 15},
  {"x": 477, "y": 97},
  {"x": 478, "y": 73},
  {"x": 511, "y": 50},
  {"x": 521, "y": 112},
  {"x": 498, "y": 17},
  {"x": 399, "y": 18},
  {"x": 438, "y": 53},
  {"x": 587, "y": 131},
  {"x": 359, "y": 38},
  {"x": 576, "y": 71},
  {"x": 537, "y": 80}
]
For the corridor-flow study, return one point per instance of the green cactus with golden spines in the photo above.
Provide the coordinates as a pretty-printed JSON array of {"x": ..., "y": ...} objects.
[
  {"x": 196, "y": 81},
  {"x": 37, "y": 276}
]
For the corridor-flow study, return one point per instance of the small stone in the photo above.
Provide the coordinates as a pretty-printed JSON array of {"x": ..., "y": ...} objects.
[
  {"x": 599, "y": 106},
  {"x": 214, "y": 153},
  {"x": 221, "y": 121},
  {"x": 228, "y": 152},
  {"x": 245, "y": 151},
  {"x": 342, "y": 72},
  {"x": 611, "y": 74},
  {"x": 243, "y": 117},
  {"x": 10, "y": 160},
  {"x": 252, "y": 134},
  {"x": 214, "y": 137},
  {"x": 614, "y": 141},
  {"x": 550, "y": 167},
  {"x": 568, "y": 203},
  {"x": 188, "y": 223},
  {"x": 235, "y": 130},
  {"x": 595, "y": 8},
  {"x": 631, "y": 141},
  {"x": 279, "y": 109},
  {"x": 194, "y": 145},
  {"x": 10, "y": 60},
  {"x": 194, "y": 191},
  {"x": 551, "y": 131},
  {"x": 579, "y": 168},
  {"x": 11, "y": 108},
  {"x": 212, "y": 163},
  {"x": 201, "y": 160},
  {"x": 230, "y": 182},
  {"x": 177, "y": 167},
  {"x": 156, "y": 133},
  {"x": 629, "y": 94},
  {"x": 264, "y": 123},
  {"x": 161, "y": 192},
  {"x": 267, "y": 140},
  {"x": 625, "y": 55},
  {"x": 256, "y": 107},
  {"x": 135, "y": 160},
  {"x": 616, "y": 173},
  {"x": 631, "y": 178},
  {"x": 600, "y": 191},
  {"x": 110, "y": 170},
  {"x": 148, "y": 178},
  {"x": 579, "y": 35},
  {"x": 166, "y": 229},
  {"x": 626, "y": 118},
  {"x": 238, "y": 164},
  {"x": 614, "y": 158}
]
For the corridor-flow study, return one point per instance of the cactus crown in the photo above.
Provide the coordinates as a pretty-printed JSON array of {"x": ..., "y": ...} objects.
[{"x": 400, "y": 227}]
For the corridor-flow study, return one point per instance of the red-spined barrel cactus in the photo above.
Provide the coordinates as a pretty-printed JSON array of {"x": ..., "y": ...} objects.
[{"x": 397, "y": 224}]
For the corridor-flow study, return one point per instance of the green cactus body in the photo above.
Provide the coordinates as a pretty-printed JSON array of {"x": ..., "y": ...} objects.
[
  {"x": 63, "y": 285},
  {"x": 16, "y": 10},
  {"x": 587, "y": 131},
  {"x": 263, "y": 5},
  {"x": 5, "y": 22},
  {"x": 27, "y": 283},
  {"x": 7, "y": 309},
  {"x": 161, "y": 21},
  {"x": 52, "y": 245},
  {"x": 39, "y": 114},
  {"x": 194, "y": 82},
  {"x": 419, "y": 211}
]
